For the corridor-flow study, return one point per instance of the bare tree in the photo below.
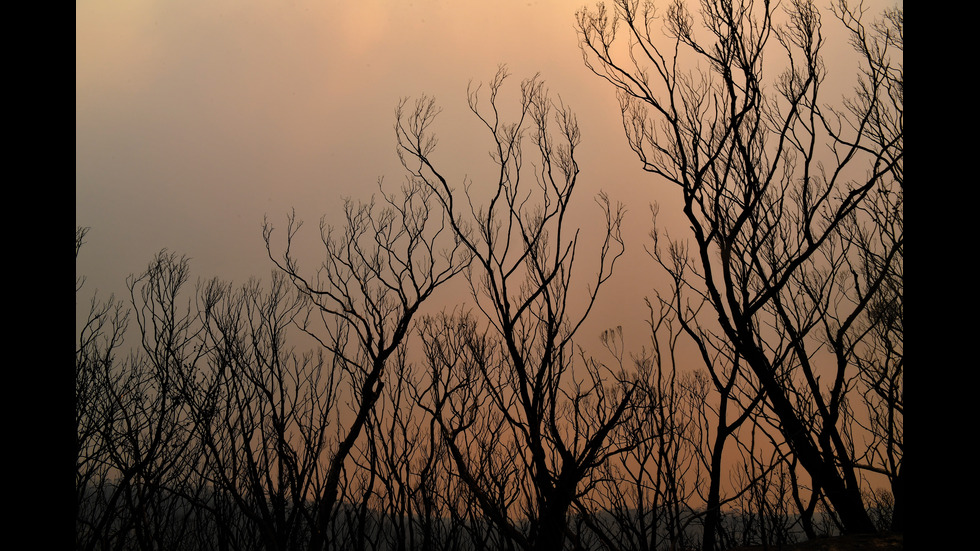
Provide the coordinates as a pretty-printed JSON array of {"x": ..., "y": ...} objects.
[
  {"x": 378, "y": 270},
  {"x": 770, "y": 179},
  {"x": 419, "y": 503},
  {"x": 644, "y": 499},
  {"x": 545, "y": 413},
  {"x": 136, "y": 452},
  {"x": 789, "y": 287},
  {"x": 877, "y": 233},
  {"x": 261, "y": 410},
  {"x": 97, "y": 370},
  {"x": 154, "y": 430},
  {"x": 721, "y": 416}
]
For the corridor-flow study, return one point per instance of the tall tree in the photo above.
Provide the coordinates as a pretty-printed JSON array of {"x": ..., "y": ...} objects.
[
  {"x": 97, "y": 371},
  {"x": 262, "y": 411},
  {"x": 377, "y": 271},
  {"x": 524, "y": 416},
  {"x": 771, "y": 180}
]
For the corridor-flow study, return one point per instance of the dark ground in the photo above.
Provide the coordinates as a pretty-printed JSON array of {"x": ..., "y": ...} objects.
[{"x": 889, "y": 542}]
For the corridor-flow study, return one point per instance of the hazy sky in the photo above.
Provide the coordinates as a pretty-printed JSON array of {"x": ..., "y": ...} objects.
[{"x": 194, "y": 119}]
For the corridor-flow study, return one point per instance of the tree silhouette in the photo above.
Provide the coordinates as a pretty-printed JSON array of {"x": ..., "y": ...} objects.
[
  {"x": 776, "y": 187},
  {"x": 524, "y": 420},
  {"x": 377, "y": 272},
  {"x": 487, "y": 424},
  {"x": 96, "y": 372}
]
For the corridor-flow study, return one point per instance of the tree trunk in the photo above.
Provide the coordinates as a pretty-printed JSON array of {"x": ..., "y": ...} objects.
[
  {"x": 713, "y": 505},
  {"x": 552, "y": 525},
  {"x": 846, "y": 498},
  {"x": 898, "y": 493}
]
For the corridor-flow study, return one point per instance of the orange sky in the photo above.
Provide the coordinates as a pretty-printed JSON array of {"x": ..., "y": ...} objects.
[{"x": 195, "y": 119}]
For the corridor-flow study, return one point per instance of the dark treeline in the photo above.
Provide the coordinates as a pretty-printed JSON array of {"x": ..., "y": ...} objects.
[{"x": 203, "y": 424}]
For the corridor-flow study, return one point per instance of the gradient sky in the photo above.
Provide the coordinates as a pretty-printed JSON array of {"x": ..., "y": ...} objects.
[{"x": 194, "y": 119}]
